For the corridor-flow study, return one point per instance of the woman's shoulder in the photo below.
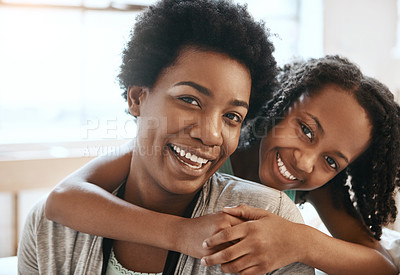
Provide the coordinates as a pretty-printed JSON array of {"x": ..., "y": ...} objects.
[
  {"x": 235, "y": 184},
  {"x": 228, "y": 190}
]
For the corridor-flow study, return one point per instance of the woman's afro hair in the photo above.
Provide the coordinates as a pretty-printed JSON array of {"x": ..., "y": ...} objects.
[{"x": 163, "y": 30}]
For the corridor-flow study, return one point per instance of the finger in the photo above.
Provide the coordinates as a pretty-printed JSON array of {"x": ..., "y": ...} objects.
[
  {"x": 246, "y": 212},
  {"x": 233, "y": 220},
  {"x": 247, "y": 265},
  {"x": 224, "y": 256},
  {"x": 238, "y": 265},
  {"x": 230, "y": 234},
  {"x": 253, "y": 270}
]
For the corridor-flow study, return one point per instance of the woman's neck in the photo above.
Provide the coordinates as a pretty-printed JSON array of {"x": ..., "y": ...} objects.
[{"x": 143, "y": 190}]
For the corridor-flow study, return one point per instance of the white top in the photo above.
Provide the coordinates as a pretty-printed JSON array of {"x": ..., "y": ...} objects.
[{"x": 115, "y": 268}]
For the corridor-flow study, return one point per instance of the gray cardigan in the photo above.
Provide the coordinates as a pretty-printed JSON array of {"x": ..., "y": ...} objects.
[{"x": 47, "y": 247}]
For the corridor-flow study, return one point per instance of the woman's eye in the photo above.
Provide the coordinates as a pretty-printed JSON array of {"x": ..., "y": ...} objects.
[
  {"x": 234, "y": 117},
  {"x": 190, "y": 100},
  {"x": 307, "y": 131},
  {"x": 331, "y": 162}
]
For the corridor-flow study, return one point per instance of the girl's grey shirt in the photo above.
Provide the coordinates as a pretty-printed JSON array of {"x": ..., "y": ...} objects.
[{"x": 47, "y": 247}]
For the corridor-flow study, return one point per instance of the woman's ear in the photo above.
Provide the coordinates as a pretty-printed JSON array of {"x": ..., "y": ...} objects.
[{"x": 135, "y": 96}]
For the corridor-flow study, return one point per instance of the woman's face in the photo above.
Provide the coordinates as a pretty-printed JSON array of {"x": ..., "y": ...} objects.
[
  {"x": 189, "y": 123},
  {"x": 318, "y": 138}
]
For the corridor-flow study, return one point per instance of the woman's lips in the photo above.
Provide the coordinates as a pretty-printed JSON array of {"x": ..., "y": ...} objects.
[{"x": 189, "y": 159}]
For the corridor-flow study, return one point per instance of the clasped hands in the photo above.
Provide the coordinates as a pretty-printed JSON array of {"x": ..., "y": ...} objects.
[{"x": 243, "y": 240}]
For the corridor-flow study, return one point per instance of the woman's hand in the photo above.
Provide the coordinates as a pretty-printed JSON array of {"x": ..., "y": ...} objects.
[
  {"x": 262, "y": 244},
  {"x": 192, "y": 232}
]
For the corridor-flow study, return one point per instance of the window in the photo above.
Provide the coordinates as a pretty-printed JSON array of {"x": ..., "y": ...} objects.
[
  {"x": 58, "y": 70},
  {"x": 58, "y": 65},
  {"x": 396, "y": 50},
  {"x": 296, "y": 26}
]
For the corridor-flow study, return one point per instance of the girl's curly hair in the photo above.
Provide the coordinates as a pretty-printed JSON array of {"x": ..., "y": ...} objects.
[
  {"x": 367, "y": 185},
  {"x": 163, "y": 30}
]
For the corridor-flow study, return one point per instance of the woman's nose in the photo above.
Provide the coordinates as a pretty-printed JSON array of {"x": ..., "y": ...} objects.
[
  {"x": 305, "y": 159},
  {"x": 208, "y": 130}
]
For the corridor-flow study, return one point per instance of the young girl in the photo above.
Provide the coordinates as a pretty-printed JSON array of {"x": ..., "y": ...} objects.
[{"x": 327, "y": 126}]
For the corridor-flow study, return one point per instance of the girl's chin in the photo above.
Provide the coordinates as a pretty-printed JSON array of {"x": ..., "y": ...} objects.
[
  {"x": 280, "y": 186},
  {"x": 267, "y": 183}
]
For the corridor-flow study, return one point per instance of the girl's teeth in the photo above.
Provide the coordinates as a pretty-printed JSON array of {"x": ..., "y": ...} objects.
[
  {"x": 193, "y": 158},
  {"x": 283, "y": 170}
]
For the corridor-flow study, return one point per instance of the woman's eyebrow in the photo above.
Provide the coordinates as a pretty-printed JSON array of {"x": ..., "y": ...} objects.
[
  {"x": 240, "y": 103},
  {"x": 196, "y": 86},
  {"x": 207, "y": 92}
]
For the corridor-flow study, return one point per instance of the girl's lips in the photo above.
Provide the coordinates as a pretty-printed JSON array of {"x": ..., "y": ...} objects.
[
  {"x": 282, "y": 172},
  {"x": 282, "y": 168}
]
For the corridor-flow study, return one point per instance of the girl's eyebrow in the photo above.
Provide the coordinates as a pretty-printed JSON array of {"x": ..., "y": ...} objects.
[
  {"x": 316, "y": 122},
  {"x": 207, "y": 92},
  {"x": 339, "y": 154}
]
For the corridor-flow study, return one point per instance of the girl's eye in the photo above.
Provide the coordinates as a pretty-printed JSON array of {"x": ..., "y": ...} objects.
[
  {"x": 190, "y": 100},
  {"x": 307, "y": 131},
  {"x": 331, "y": 162},
  {"x": 234, "y": 117}
]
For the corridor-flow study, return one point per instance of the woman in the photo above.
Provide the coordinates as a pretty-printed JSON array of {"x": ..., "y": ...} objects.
[
  {"x": 298, "y": 152},
  {"x": 178, "y": 64}
]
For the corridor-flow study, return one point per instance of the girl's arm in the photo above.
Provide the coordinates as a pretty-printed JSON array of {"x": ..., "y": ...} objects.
[
  {"x": 268, "y": 242},
  {"x": 371, "y": 257},
  {"x": 83, "y": 201}
]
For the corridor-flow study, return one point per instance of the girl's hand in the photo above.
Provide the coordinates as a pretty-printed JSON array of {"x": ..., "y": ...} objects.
[
  {"x": 192, "y": 232},
  {"x": 262, "y": 244}
]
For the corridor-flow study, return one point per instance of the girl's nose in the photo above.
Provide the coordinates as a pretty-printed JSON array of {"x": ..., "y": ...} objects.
[{"x": 305, "y": 160}]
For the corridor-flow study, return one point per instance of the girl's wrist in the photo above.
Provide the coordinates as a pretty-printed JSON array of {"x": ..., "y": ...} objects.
[
  {"x": 306, "y": 244},
  {"x": 175, "y": 233}
]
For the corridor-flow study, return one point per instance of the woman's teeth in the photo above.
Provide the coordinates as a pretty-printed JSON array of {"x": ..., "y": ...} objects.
[
  {"x": 283, "y": 170},
  {"x": 193, "y": 158}
]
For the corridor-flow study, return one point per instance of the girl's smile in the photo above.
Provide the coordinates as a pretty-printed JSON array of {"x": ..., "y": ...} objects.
[
  {"x": 321, "y": 134},
  {"x": 283, "y": 170}
]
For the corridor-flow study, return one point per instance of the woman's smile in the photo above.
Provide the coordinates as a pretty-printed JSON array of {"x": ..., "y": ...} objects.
[
  {"x": 194, "y": 113},
  {"x": 193, "y": 160},
  {"x": 183, "y": 165}
]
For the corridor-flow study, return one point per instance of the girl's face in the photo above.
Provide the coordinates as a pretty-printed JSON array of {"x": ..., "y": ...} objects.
[
  {"x": 189, "y": 123},
  {"x": 318, "y": 138}
]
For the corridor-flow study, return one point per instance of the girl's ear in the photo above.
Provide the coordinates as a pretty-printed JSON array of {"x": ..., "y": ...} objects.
[{"x": 136, "y": 96}]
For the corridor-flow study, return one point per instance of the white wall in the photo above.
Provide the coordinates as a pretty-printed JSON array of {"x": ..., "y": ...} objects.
[{"x": 366, "y": 32}]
